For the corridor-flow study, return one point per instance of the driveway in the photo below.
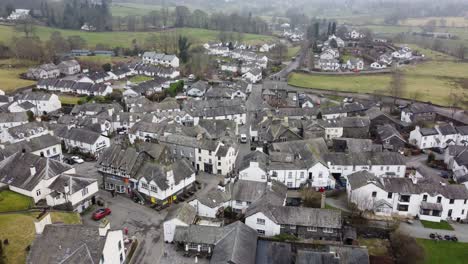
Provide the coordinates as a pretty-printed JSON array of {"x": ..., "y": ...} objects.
[
  {"x": 142, "y": 222},
  {"x": 418, "y": 230}
]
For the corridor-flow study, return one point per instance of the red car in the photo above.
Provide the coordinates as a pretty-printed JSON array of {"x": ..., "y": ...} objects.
[{"x": 101, "y": 213}]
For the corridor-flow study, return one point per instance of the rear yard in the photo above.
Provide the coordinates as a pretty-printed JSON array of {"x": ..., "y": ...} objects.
[{"x": 438, "y": 252}]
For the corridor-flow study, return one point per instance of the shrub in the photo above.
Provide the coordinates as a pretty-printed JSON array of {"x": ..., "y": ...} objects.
[{"x": 405, "y": 249}]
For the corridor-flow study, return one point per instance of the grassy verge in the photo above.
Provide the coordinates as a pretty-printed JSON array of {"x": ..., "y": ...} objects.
[
  {"x": 438, "y": 252},
  {"x": 375, "y": 246},
  {"x": 11, "y": 201},
  {"x": 437, "y": 225},
  {"x": 20, "y": 232}
]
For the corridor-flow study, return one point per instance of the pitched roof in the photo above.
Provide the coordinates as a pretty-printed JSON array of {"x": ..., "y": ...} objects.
[
  {"x": 79, "y": 135},
  {"x": 181, "y": 169},
  {"x": 406, "y": 186},
  {"x": 388, "y": 131},
  {"x": 184, "y": 212},
  {"x": 34, "y": 144},
  {"x": 67, "y": 244},
  {"x": 74, "y": 181},
  {"x": 16, "y": 170},
  {"x": 237, "y": 246},
  {"x": 365, "y": 158},
  {"x": 302, "y": 216},
  {"x": 13, "y": 117},
  {"x": 255, "y": 156}
]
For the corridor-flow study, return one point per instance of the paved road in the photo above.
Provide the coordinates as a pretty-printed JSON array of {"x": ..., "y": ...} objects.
[
  {"x": 293, "y": 65},
  {"x": 418, "y": 230},
  {"x": 142, "y": 222}
]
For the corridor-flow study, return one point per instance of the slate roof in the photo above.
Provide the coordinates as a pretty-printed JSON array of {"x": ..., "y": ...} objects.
[
  {"x": 255, "y": 156},
  {"x": 120, "y": 158},
  {"x": 78, "y": 182},
  {"x": 27, "y": 129},
  {"x": 447, "y": 129},
  {"x": 182, "y": 169},
  {"x": 301, "y": 216},
  {"x": 67, "y": 244},
  {"x": 406, "y": 186},
  {"x": 35, "y": 96},
  {"x": 13, "y": 117},
  {"x": 248, "y": 191},
  {"x": 183, "y": 211},
  {"x": 216, "y": 129},
  {"x": 365, "y": 158},
  {"x": 198, "y": 234},
  {"x": 419, "y": 108},
  {"x": 79, "y": 135},
  {"x": 388, "y": 131},
  {"x": 237, "y": 246},
  {"x": 214, "y": 197},
  {"x": 462, "y": 130},
  {"x": 16, "y": 170},
  {"x": 428, "y": 131},
  {"x": 273, "y": 252},
  {"x": 34, "y": 144}
]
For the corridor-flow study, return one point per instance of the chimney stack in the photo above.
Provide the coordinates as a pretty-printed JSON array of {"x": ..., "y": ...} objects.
[{"x": 32, "y": 169}]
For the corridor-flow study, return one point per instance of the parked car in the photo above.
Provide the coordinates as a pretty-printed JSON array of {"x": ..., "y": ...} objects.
[
  {"x": 101, "y": 213},
  {"x": 77, "y": 159},
  {"x": 68, "y": 161},
  {"x": 243, "y": 138}
]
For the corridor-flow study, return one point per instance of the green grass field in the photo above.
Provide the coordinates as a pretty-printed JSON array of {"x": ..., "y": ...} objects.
[
  {"x": 437, "y": 225},
  {"x": 438, "y": 252},
  {"x": 124, "y": 39},
  {"x": 19, "y": 230},
  {"x": 11, "y": 201},
  {"x": 431, "y": 81}
]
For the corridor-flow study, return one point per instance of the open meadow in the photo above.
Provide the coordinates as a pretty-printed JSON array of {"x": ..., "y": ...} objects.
[
  {"x": 431, "y": 81},
  {"x": 124, "y": 39}
]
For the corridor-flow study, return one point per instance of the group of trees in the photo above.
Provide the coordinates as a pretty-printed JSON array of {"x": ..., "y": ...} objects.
[
  {"x": 30, "y": 47},
  {"x": 184, "y": 17},
  {"x": 72, "y": 14}
]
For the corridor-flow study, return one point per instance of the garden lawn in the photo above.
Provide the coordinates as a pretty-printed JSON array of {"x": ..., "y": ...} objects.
[
  {"x": 140, "y": 79},
  {"x": 101, "y": 60},
  {"x": 68, "y": 99},
  {"x": 196, "y": 36},
  {"x": 438, "y": 252},
  {"x": 19, "y": 230},
  {"x": 437, "y": 225},
  {"x": 11, "y": 201}
]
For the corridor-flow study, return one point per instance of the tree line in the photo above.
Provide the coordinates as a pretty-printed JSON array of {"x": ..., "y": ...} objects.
[{"x": 73, "y": 14}]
